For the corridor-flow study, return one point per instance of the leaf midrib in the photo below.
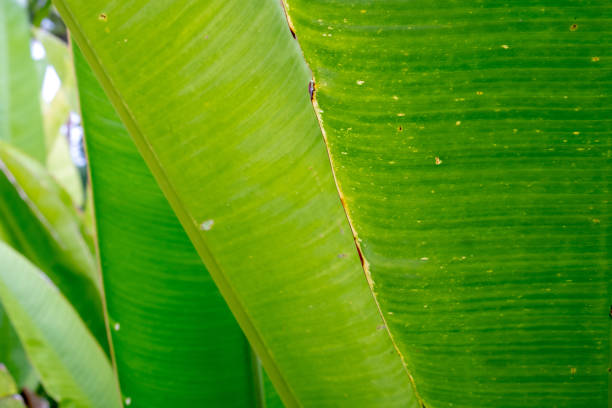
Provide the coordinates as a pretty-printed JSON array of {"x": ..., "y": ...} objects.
[
  {"x": 364, "y": 262},
  {"x": 189, "y": 225}
]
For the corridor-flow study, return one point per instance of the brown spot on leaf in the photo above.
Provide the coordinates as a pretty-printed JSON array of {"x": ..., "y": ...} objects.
[
  {"x": 289, "y": 22},
  {"x": 102, "y": 17},
  {"x": 311, "y": 89},
  {"x": 574, "y": 27},
  {"x": 361, "y": 258}
]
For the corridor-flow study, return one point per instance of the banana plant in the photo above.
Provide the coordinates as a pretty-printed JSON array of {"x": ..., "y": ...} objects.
[
  {"x": 402, "y": 203},
  {"x": 175, "y": 341},
  {"x": 39, "y": 220}
]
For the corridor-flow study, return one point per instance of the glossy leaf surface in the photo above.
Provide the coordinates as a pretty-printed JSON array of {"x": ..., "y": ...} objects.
[
  {"x": 20, "y": 117},
  {"x": 72, "y": 366},
  {"x": 175, "y": 341},
  {"x": 215, "y": 96},
  {"x": 471, "y": 141}
]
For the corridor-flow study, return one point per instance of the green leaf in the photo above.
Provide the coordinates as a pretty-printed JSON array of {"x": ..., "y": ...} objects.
[
  {"x": 58, "y": 55},
  {"x": 87, "y": 220},
  {"x": 20, "y": 117},
  {"x": 57, "y": 113},
  {"x": 272, "y": 399},
  {"x": 7, "y": 384},
  {"x": 471, "y": 141},
  {"x": 216, "y": 99},
  {"x": 45, "y": 228},
  {"x": 64, "y": 171},
  {"x": 175, "y": 341},
  {"x": 73, "y": 368},
  {"x": 14, "y": 401},
  {"x": 12, "y": 355},
  {"x": 8, "y": 390}
]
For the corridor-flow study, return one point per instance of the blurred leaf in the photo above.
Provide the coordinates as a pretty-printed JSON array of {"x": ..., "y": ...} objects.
[
  {"x": 159, "y": 296},
  {"x": 20, "y": 116},
  {"x": 14, "y": 401},
  {"x": 63, "y": 170},
  {"x": 7, "y": 384},
  {"x": 5, "y": 233},
  {"x": 41, "y": 13},
  {"x": 8, "y": 390},
  {"x": 73, "y": 368},
  {"x": 13, "y": 355},
  {"x": 45, "y": 228},
  {"x": 11, "y": 351},
  {"x": 56, "y": 113},
  {"x": 58, "y": 55}
]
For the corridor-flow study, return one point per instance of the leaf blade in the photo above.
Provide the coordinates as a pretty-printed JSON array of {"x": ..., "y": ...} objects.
[
  {"x": 70, "y": 363},
  {"x": 45, "y": 228},
  {"x": 470, "y": 142},
  {"x": 20, "y": 118},
  {"x": 143, "y": 250},
  {"x": 355, "y": 362}
]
